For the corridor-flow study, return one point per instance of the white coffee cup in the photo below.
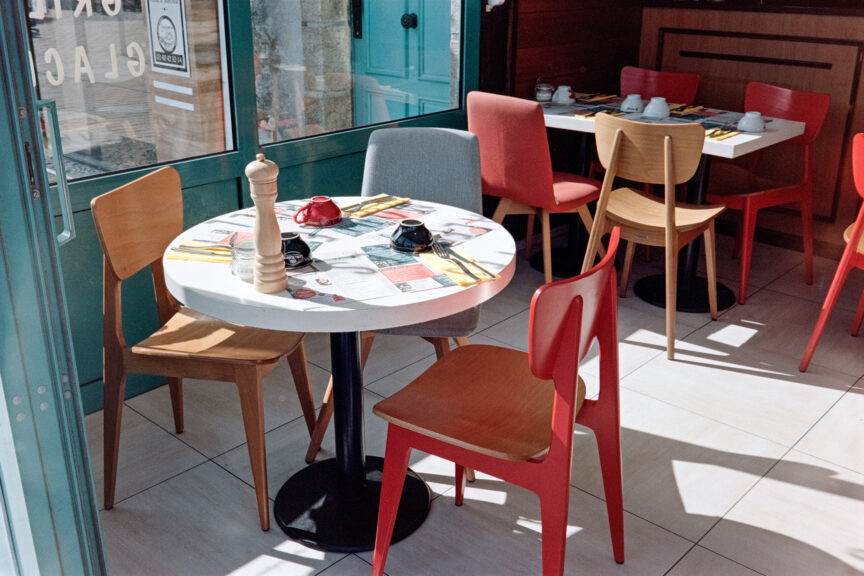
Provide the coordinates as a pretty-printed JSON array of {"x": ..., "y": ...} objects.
[
  {"x": 751, "y": 122},
  {"x": 657, "y": 108},
  {"x": 633, "y": 103},
  {"x": 562, "y": 95}
]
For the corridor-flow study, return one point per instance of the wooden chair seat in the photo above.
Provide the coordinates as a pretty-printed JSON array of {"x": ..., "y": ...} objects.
[
  {"x": 191, "y": 334},
  {"x": 482, "y": 398},
  {"x": 632, "y": 208}
]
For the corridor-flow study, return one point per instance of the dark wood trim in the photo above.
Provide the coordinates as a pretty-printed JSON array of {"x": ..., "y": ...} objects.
[
  {"x": 850, "y": 113},
  {"x": 842, "y": 8}
]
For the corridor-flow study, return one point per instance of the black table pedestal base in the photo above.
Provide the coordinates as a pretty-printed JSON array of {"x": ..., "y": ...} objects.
[
  {"x": 692, "y": 297},
  {"x": 314, "y": 509}
]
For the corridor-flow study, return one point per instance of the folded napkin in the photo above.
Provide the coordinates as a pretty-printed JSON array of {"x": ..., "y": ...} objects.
[
  {"x": 373, "y": 204},
  {"x": 454, "y": 272}
]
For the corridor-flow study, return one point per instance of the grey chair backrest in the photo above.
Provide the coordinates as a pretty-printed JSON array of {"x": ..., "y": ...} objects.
[{"x": 435, "y": 164}]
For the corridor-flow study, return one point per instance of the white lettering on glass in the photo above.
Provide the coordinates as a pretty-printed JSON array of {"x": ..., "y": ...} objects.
[
  {"x": 81, "y": 5},
  {"x": 134, "y": 50},
  {"x": 53, "y": 54},
  {"x": 112, "y": 74},
  {"x": 39, "y": 10},
  {"x": 111, "y": 7},
  {"x": 82, "y": 65}
]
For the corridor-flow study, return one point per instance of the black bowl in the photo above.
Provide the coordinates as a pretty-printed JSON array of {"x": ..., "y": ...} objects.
[{"x": 411, "y": 236}]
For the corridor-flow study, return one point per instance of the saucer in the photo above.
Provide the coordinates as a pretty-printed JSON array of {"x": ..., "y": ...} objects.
[{"x": 568, "y": 101}]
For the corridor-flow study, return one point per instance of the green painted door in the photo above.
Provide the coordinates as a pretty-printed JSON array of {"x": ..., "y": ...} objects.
[
  {"x": 401, "y": 57},
  {"x": 48, "y": 518}
]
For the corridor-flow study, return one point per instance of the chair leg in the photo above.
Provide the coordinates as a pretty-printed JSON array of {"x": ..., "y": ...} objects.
[
  {"x": 501, "y": 210},
  {"x": 629, "y": 252},
  {"x": 461, "y": 479},
  {"x": 859, "y": 316},
  {"x": 395, "y": 465},
  {"x": 588, "y": 222},
  {"x": 300, "y": 373},
  {"x": 114, "y": 390},
  {"x": 748, "y": 225},
  {"x": 252, "y": 408},
  {"x": 547, "y": 245},
  {"x": 609, "y": 448},
  {"x": 326, "y": 412},
  {"x": 463, "y": 341},
  {"x": 711, "y": 268},
  {"x": 529, "y": 236},
  {"x": 554, "y": 502},
  {"x": 671, "y": 297},
  {"x": 807, "y": 235},
  {"x": 175, "y": 385},
  {"x": 843, "y": 268},
  {"x": 442, "y": 346}
]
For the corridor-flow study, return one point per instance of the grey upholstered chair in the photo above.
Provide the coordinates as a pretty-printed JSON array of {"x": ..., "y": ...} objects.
[{"x": 436, "y": 164}]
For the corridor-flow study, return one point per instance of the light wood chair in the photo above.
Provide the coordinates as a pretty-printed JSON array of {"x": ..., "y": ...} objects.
[
  {"x": 511, "y": 414},
  {"x": 665, "y": 154},
  {"x": 742, "y": 188},
  {"x": 435, "y": 164},
  {"x": 516, "y": 166},
  {"x": 135, "y": 224}
]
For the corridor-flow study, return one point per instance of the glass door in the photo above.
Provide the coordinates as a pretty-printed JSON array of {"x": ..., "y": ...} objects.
[{"x": 48, "y": 519}]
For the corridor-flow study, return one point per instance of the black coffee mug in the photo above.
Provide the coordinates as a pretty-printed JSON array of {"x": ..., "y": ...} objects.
[
  {"x": 295, "y": 251},
  {"x": 411, "y": 236}
]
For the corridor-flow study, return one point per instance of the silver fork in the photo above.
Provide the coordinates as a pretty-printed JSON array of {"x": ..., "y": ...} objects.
[{"x": 441, "y": 252}]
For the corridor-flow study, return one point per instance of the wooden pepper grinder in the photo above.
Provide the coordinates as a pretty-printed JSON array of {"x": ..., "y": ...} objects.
[{"x": 269, "y": 275}]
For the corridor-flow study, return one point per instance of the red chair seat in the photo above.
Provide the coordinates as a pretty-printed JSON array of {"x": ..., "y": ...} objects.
[{"x": 571, "y": 191}]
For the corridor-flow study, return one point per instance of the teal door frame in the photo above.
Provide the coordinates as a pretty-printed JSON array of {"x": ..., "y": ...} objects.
[
  {"x": 50, "y": 524},
  {"x": 329, "y": 164}
]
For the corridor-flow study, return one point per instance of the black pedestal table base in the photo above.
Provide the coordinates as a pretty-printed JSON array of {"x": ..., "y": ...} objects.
[
  {"x": 692, "y": 297},
  {"x": 313, "y": 508}
]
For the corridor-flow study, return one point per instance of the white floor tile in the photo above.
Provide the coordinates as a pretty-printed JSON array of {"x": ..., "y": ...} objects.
[
  {"x": 148, "y": 455},
  {"x": 681, "y": 471},
  {"x": 839, "y": 436},
  {"x": 701, "y": 562},
  {"x": 203, "y": 522},
  {"x": 805, "y": 517}
]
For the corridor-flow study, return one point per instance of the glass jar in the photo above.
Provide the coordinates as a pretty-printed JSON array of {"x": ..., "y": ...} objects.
[
  {"x": 243, "y": 260},
  {"x": 543, "y": 92}
]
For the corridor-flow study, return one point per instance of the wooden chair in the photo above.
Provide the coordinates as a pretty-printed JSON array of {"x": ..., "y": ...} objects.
[
  {"x": 675, "y": 87},
  {"x": 741, "y": 188},
  {"x": 135, "y": 224},
  {"x": 435, "y": 164},
  {"x": 665, "y": 154},
  {"x": 853, "y": 257},
  {"x": 511, "y": 414},
  {"x": 516, "y": 166}
]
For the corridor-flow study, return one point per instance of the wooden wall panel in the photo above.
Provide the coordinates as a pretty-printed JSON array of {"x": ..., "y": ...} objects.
[
  {"x": 583, "y": 44},
  {"x": 807, "y": 52}
]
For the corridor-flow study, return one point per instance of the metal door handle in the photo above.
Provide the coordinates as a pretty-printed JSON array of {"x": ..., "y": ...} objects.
[
  {"x": 409, "y": 20},
  {"x": 53, "y": 132}
]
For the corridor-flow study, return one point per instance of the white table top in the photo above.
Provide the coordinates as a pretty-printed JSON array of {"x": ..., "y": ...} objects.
[
  {"x": 350, "y": 293},
  {"x": 563, "y": 116}
]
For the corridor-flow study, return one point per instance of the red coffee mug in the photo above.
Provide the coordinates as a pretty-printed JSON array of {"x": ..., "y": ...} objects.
[{"x": 320, "y": 211}]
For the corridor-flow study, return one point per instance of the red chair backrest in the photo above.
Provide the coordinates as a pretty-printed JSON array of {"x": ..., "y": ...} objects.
[
  {"x": 858, "y": 162},
  {"x": 599, "y": 315},
  {"x": 514, "y": 152},
  {"x": 675, "y": 87},
  {"x": 774, "y": 101}
]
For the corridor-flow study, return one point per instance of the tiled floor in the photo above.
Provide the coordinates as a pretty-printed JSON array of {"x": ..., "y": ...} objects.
[{"x": 735, "y": 463}]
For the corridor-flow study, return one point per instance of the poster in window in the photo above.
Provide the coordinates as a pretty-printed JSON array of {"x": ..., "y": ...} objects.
[{"x": 169, "y": 49}]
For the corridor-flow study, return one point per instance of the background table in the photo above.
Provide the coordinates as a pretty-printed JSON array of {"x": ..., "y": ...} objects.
[
  {"x": 692, "y": 289},
  {"x": 332, "y": 504}
]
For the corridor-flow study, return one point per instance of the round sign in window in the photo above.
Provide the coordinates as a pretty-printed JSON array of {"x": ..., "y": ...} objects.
[{"x": 167, "y": 34}]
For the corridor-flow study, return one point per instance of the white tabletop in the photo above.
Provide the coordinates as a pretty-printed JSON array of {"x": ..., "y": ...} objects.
[
  {"x": 776, "y": 130},
  {"x": 350, "y": 295}
]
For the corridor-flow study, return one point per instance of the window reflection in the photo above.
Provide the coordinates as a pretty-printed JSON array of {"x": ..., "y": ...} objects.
[
  {"x": 123, "y": 100},
  {"x": 329, "y": 65}
]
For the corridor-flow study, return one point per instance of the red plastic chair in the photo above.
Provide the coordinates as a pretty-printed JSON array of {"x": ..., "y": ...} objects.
[
  {"x": 853, "y": 257},
  {"x": 515, "y": 165},
  {"x": 742, "y": 189},
  {"x": 676, "y": 87},
  {"x": 511, "y": 414}
]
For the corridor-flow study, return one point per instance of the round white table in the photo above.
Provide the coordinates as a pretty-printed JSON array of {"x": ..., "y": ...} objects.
[{"x": 332, "y": 504}]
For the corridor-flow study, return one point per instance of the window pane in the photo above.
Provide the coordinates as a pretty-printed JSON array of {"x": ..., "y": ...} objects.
[
  {"x": 123, "y": 101},
  {"x": 320, "y": 67}
]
